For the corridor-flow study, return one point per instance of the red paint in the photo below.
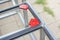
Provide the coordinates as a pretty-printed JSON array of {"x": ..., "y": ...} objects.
[
  {"x": 23, "y": 6},
  {"x": 33, "y": 22}
]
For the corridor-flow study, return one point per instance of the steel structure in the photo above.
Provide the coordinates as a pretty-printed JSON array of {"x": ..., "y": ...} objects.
[
  {"x": 27, "y": 29},
  {"x": 4, "y": 1}
]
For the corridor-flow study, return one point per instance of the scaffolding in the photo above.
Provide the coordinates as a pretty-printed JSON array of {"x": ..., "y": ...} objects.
[{"x": 28, "y": 28}]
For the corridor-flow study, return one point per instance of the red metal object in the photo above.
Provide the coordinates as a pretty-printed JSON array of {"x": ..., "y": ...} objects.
[
  {"x": 23, "y": 6},
  {"x": 33, "y": 22}
]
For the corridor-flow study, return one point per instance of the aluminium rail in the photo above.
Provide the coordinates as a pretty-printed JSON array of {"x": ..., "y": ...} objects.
[
  {"x": 19, "y": 33},
  {"x": 25, "y": 21},
  {"x": 4, "y": 1},
  {"x": 25, "y": 13},
  {"x": 15, "y": 2},
  {"x": 32, "y": 36},
  {"x": 7, "y": 15},
  {"x": 7, "y": 9},
  {"x": 25, "y": 31},
  {"x": 44, "y": 27}
]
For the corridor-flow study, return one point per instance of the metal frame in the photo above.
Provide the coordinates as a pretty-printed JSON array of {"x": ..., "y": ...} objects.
[
  {"x": 28, "y": 29},
  {"x": 15, "y": 2},
  {"x": 7, "y": 15},
  {"x": 4, "y": 1},
  {"x": 25, "y": 20},
  {"x": 19, "y": 33},
  {"x": 25, "y": 13},
  {"x": 10, "y": 8},
  {"x": 44, "y": 27}
]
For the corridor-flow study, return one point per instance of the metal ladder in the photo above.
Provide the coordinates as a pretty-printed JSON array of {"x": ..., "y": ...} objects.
[{"x": 43, "y": 28}]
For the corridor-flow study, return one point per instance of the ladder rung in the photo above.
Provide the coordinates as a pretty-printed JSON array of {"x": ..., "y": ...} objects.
[
  {"x": 4, "y": 1},
  {"x": 19, "y": 33},
  {"x": 7, "y": 14}
]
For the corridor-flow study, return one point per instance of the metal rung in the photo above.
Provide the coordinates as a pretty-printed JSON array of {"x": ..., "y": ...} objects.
[
  {"x": 7, "y": 14},
  {"x": 7, "y": 9},
  {"x": 28, "y": 29},
  {"x": 4, "y": 1},
  {"x": 19, "y": 33}
]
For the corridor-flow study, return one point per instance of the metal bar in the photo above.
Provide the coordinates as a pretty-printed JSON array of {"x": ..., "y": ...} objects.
[
  {"x": 23, "y": 0},
  {"x": 15, "y": 2},
  {"x": 7, "y": 15},
  {"x": 4, "y": 1},
  {"x": 10, "y": 8},
  {"x": 25, "y": 16},
  {"x": 19, "y": 33},
  {"x": 21, "y": 17},
  {"x": 35, "y": 14},
  {"x": 46, "y": 30},
  {"x": 49, "y": 33},
  {"x": 42, "y": 34},
  {"x": 32, "y": 36}
]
